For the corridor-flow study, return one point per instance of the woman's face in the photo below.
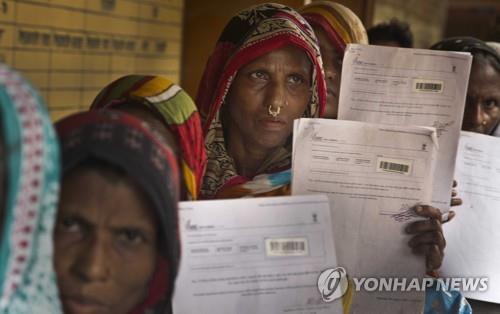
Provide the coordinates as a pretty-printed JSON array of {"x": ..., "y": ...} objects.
[
  {"x": 332, "y": 63},
  {"x": 105, "y": 244},
  {"x": 482, "y": 108},
  {"x": 279, "y": 81}
]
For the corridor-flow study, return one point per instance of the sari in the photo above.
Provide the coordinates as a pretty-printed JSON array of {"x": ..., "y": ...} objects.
[
  {"x": 177, "y": 112},
  {"x": 341, "y": 25},
  {"x": 31, "y": 163},
  {"x": 248, "y": 35},
  {"x": 127, "y": 143}
]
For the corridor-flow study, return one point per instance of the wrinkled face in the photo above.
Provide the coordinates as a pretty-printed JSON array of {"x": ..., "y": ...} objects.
[
  {"x": 280, "y": 82},
  {"x": 482, "y": 108},
  {"x": 105, "y": 244},
  {"x": 332, "y": 63}
]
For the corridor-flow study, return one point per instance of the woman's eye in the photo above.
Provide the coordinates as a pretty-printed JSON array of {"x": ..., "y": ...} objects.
[
  {"x": 258, "y": 75},
  {"x": 490, "y": 103},
  {"x": 132, "y": 236},
  {"x": 69, "y": 224},
  {"x": 295, "y": 79}
]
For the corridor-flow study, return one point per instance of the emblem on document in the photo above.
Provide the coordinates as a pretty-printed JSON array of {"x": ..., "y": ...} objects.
[{"x": 332, "y": 283}]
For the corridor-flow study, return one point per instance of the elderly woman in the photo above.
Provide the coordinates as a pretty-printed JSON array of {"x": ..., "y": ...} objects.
[
  {"x": 29, "y": 185},
  {"x": 264, "y": 73},
  {"x": 168, "y": 110},
  {"x": 482, "y": 108},
  {"x": 335, "y": 26},
  {"x": 116, "y": 237}
]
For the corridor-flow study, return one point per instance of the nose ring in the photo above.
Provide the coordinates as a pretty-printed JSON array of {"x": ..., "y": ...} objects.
[{"x": 273, "y": 113}]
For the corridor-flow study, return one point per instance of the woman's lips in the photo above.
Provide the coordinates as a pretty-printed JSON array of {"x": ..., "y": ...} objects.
[
  {"x": 82, "y": 304},
  {"x": 273, "y": 124}
]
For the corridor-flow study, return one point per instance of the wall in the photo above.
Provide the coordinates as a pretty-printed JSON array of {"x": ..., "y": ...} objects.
[
  {"x": 482, "y": 16},
  {"x": 70, "y": 49},
  {"x": 427, "y": 18},
  {"x": 203, "y": 23}
]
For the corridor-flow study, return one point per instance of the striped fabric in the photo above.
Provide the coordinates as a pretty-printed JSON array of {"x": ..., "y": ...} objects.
[
  {"x": 340, "y": 24},
  {"x": 179, "y": 114}
]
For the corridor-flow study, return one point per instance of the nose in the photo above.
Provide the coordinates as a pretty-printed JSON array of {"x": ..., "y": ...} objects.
[
  {"x": 276, "y": 95},
  {"x": 92, "y": 264},
  {"x": 474, "y": 115}
]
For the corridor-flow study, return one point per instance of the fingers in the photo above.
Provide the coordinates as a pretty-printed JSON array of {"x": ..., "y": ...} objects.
[
  {"x": 456, "y": 201},
  {"x": 455, "y": 183},
  {"x": 453, "y": 193},
  {"x": 428, "y": 238},
  {"x": 433, "y": 255},
  {"x": 428, "y": 211},
  {"x": 422, "y": 226},
  {"x": 431, "y": 245},
  {"x": 451, "y": 215}
]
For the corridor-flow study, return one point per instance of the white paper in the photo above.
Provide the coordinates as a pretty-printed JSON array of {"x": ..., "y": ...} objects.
[
  {"x": 401, "y": 86},
  {"x": 373, "y": 174},
  {"x": 473, "y": 236},
  {"x": 230, "y": 266}
]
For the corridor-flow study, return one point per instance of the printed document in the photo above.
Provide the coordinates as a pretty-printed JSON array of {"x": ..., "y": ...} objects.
[
  {"x": 401, "y": 86},
  {"x": 255, "y": 255},
  {"x": 374, "y": 175}
]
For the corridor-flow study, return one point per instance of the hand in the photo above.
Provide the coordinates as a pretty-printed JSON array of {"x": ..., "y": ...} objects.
[
  {"x": 428, "y": 236},
  {"x": 455, "y": 201}
]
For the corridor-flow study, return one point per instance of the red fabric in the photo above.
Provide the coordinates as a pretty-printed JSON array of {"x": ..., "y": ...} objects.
[
  {"x": 158, "y": 287},
  {"x": 210, "y": 107},
  {"x": 319, "y": 21}
]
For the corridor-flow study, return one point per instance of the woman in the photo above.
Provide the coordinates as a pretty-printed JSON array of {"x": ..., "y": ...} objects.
[
  {"x": 264, "y": 73},
  {"x": 335, "y": 26},
  {"x": 29, "y": 176},
  {"x": 171, "y": 112},
  {"x": 482, "y": 107},
  {"x": 116, "y": 237}
]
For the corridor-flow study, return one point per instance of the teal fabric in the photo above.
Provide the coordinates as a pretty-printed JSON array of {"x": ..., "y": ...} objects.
[
  {"x": 441, "y": 301},
  {"x": 31, "y": 157}
]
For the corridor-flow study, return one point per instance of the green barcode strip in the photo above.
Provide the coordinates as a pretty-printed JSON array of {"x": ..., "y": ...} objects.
[
  {"x": 429, "y": 86},
  {"x": 394, "y": 167}
]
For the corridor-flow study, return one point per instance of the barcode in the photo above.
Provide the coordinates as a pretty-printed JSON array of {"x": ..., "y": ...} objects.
[
  {"x": 429, "y": 86},
  {"x": 394, "y": 167},
  {"x": 289, "y": 246},
  {"x": 284, "y": 247}
]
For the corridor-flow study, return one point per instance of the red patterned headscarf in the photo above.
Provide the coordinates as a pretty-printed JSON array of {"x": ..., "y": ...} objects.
[
  {"x": 128, "y": 143},
  {"x": 250, "y": 34}
]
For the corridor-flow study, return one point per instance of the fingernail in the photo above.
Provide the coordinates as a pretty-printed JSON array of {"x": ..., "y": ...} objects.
[{"x": 419, "y": 209}]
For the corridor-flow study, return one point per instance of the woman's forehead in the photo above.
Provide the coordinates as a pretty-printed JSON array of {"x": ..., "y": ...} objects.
[{"x": 116, "y": 202}]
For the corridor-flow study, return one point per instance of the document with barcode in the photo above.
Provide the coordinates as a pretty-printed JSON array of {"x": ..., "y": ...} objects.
[
  {"x": 257, "y": 255},
  {"x": 373, "y": 174},
  {"x": 473, "y": 236},
  {"x": 401, "y": 86}
]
